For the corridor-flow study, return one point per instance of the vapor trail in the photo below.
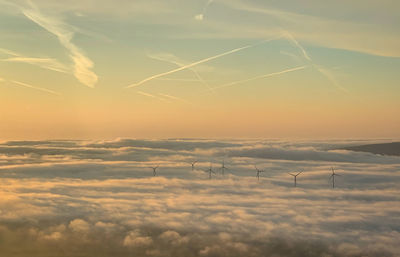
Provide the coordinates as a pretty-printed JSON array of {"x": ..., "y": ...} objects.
[
  {"x": 289, "y": 36},
  {"x": 172, "y": 59},
  {"x": 198, "y": 62},
  {"x": 36, "y": 88},
  {"x": 323, "y": 71},
  {"x": 260, "y": 77},
  {"x": 175, "y": 98},
  {"x": 152, "y": 96}
]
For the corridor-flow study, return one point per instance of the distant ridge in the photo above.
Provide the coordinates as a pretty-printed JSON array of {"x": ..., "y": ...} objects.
[{"x": 383, "y": 149}]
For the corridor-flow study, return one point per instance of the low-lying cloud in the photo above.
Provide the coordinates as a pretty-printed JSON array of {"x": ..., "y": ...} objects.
[{"x": 78, "y": 198}]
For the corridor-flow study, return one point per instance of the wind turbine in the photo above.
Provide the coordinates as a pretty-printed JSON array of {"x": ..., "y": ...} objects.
[
  {"x": 295, "y": 177},
  {"x": 333, "y": 177},
  {"x": 223, "y": 168},
  {"x": 209, "y": 170},
  {"x": 155, "y": 170},
  {"x": 258, "y": 172},
  {"x": 193, "y": 163}
]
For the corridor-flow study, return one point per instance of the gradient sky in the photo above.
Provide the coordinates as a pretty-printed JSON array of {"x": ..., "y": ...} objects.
[{"x": 247, "y": 68}]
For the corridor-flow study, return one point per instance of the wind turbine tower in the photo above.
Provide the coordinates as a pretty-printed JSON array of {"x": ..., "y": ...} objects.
[
  {"x": 210, "y": 171},
  {"x": 223, "y": 168},
  {"x": 295, "y": 177},
  {"x": 155, "y": 170},
  {"x": 333, "y": 177},
  {"x": 193, "y": 163},
  {"x": 258, "y": 172}
]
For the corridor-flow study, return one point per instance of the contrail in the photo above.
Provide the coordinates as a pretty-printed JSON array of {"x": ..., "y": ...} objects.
[
  {"x": 175, "y": 98},
  {"x": 198, "y": 62},
  {"x": 324, "y": 72},
  {"x": 183, "y": 80},
  {"x": 261, "y": 77},
  {"x": 172, "y": 59},
  {"x": 152, "y": 96},
  {"x": 36, "y": 88},
  {"x": 289, "y": 37}
]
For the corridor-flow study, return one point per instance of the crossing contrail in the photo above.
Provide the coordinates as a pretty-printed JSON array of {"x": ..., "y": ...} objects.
[
  {"x": 174, "y": 60},
  {"x": 323, "y": 71},
  {"x": 261, "y": 77},
  {"x": 34, "y": 87},
  {"x": 198, "y": 62}
]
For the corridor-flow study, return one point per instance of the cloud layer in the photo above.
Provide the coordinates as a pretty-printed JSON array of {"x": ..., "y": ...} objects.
[{"x": 86, "y": 198}]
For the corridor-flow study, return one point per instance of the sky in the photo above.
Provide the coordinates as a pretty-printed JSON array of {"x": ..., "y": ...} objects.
[
  {"x": 199, "y": 69},
  {"x": 100, "y": 198}
]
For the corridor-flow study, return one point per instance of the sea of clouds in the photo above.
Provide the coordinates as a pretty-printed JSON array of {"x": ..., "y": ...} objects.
[{"x": 99, "y": 198}]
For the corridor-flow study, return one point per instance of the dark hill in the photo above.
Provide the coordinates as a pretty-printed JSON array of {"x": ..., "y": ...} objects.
[{"x": 383, "y": 149}]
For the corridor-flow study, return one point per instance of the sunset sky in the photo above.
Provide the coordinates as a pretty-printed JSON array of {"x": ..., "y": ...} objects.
[{"x": 98, "y": 69}]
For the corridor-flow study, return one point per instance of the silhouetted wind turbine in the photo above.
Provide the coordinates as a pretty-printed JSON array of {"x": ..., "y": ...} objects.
[
  {"x": 193, "y": 163},
  {"x": 223, "y": 168},
  {"x": 209, "y": 170},
  {"x": 155, "y": 170},
  {"x": 333, "y": 177},
  {"x": 258, "y": 172},
  {"x": 295, "y": 177}
]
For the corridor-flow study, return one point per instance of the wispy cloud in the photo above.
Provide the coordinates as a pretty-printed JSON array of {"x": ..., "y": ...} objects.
[
  {"x": 201, "y": 15},
  {"x": 45, "y": 63},
  {"x": 197, "y": 63},
  {"x": 65, "y": 33},
  {"x": 260, "y": 77},
  {"x": 361, "y": 36},
  {"x": 35, "y": 87},
  {"x": 9, "y": 52}
]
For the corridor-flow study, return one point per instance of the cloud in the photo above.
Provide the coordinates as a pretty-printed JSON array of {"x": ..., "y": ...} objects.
[
  {"x": 134, "y": 239},
  {"x": 65, "y": 33},
  {"x": 200, "y": 16},
  {"x": 46, "y": 63}
]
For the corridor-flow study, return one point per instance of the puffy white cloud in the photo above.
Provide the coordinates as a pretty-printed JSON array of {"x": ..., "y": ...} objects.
[{"x": 134, "y": 239}]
